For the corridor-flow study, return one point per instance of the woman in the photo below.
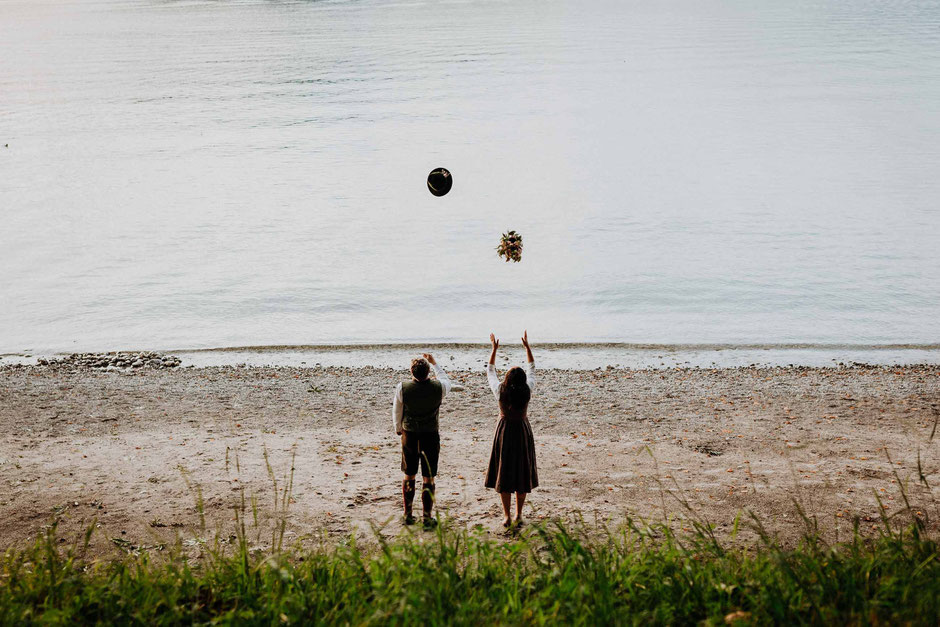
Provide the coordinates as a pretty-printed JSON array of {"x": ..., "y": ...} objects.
[{"x": 512, "y": 462}]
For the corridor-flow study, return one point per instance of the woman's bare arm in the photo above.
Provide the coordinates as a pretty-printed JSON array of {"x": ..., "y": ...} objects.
[
  {"x": 495, "y": 344},
  {"x": 528, "y": 349}
]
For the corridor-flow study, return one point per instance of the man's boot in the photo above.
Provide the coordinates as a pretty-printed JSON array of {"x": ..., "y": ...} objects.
[
  {"x": 427, "y": 502},
  {"x": 408, "y": 496}
]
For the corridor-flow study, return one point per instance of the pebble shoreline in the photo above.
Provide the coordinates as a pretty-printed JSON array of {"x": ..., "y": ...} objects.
[{"x": 735, "y": 440}]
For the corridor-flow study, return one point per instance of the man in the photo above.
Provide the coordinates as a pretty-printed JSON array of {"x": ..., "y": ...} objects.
[{"x": 415, "y": 411}]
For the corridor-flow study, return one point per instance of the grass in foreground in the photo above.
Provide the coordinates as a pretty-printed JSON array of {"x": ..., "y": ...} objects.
[{"x": 638, "y": 575}]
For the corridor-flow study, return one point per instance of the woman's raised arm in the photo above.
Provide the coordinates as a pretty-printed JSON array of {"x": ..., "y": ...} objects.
[
  {"x": 491, "y": 377},
  {"x": 530, "y": 361},
  {"x": 528, "y": 349}
]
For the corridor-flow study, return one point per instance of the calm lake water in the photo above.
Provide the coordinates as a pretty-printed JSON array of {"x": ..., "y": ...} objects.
[{"x": 246, "y": 173}]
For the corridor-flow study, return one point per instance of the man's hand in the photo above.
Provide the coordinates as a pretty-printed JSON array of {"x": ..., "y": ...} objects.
[{"x": 430, "y": 358}]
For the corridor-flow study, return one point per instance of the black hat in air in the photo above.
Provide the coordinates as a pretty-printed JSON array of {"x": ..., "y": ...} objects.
[{"x": 440, "y": 181}]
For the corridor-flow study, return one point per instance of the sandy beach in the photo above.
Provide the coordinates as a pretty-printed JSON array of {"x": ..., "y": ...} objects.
[{"x": 81, "y": 444}]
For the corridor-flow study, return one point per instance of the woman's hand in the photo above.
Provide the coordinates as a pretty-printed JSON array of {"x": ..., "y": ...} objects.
[
  {"x": 528, "y": 349},
  {"x": 494, "y": 342},
  {"x": 429, "y": 357}
]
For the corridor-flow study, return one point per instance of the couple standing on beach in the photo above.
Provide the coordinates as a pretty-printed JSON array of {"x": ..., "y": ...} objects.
[{"x": 415, "y": 411}]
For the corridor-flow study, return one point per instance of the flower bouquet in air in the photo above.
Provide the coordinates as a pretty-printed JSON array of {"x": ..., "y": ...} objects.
[{"x": 510, "y": 247}]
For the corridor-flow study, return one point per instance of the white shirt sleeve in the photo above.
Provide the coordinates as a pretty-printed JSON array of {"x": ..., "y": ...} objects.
[
  {"x": 442, "y": 377},
  {"x": 398, "y": 409},
  {"x": 493, "y": 380},
  {"x": 530, "y": 375}
]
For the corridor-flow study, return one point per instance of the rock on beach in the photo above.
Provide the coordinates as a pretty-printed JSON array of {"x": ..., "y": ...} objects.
[{"x": 112, "y": 361}]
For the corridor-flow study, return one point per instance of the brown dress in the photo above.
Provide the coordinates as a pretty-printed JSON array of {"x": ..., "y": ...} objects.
[{"x": 512, "y": 461}]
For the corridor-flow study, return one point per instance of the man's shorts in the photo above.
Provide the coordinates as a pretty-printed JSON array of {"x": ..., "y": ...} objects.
[{"x": 423, "y": 448}]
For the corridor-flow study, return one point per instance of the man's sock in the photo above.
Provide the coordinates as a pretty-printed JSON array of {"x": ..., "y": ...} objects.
[
  {"x": 427, "y": 498},
  {"x": 408, "y": 495}
]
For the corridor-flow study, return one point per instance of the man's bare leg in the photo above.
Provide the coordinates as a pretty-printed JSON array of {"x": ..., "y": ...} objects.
[
  {"x": 427, "y": 497},
  {"x": 408, "y": 497}
]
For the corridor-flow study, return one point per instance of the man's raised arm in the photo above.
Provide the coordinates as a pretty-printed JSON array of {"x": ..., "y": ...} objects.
[{"x": 441, "y": 375}]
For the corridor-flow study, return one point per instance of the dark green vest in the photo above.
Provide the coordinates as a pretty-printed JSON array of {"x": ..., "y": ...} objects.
[{"x": 421, "y": 401}]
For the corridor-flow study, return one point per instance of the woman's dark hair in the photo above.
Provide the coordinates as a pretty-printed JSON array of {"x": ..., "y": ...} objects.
[{"x": 514, "y": 392}]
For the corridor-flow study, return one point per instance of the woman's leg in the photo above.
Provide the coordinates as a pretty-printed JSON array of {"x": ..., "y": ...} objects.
[
  {"x": 520, "y": 501},
  {"x": 506, "y": 498}
]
